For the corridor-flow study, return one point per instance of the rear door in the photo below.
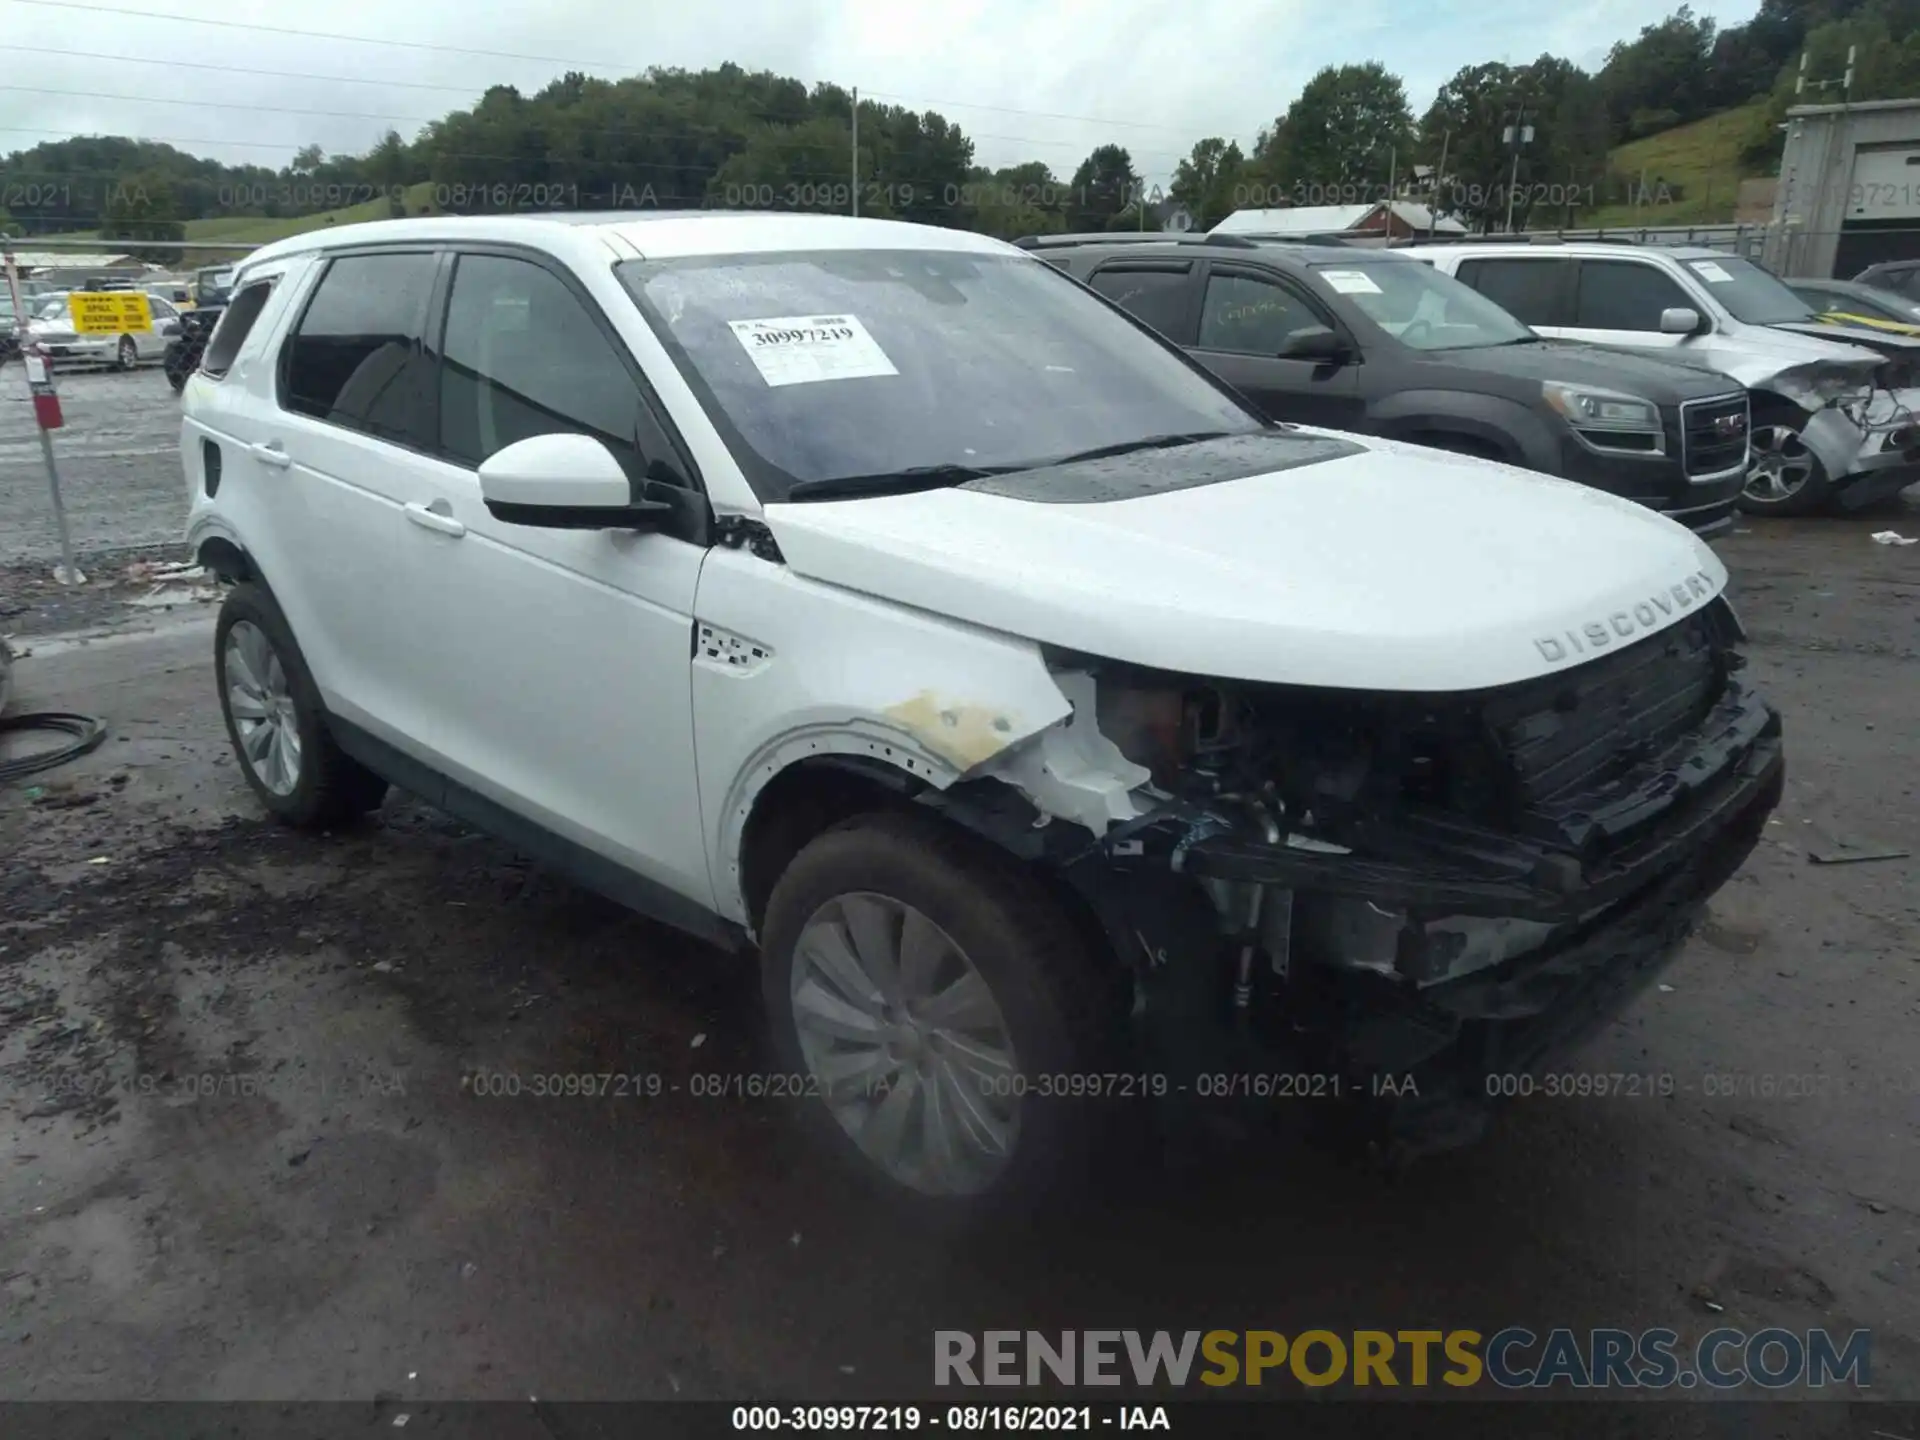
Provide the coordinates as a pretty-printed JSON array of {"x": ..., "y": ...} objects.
[
  {"x": 1246, "y": 318},
  {"x": 1160, "y": 294},
  {"x": 1536, "y": 290},
  {"x": 350, "y": 434}
]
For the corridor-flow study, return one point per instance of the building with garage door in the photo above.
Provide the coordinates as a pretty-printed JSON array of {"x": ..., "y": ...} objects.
[{"x": 1849, "y": 191}]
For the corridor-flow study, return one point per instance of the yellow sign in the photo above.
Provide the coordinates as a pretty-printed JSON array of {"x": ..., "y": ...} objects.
[{"x": 110, "y": 312}]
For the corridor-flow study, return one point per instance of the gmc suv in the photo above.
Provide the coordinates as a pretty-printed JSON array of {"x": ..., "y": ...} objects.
[
  {"x": 1366, "y": 340},
  {"x": 1836, "y": 409},
  {"x": 1060, "y": 730}
]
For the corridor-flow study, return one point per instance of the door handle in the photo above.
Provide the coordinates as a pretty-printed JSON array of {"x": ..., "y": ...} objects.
[
  {"x": 270, "y": 453},
  {"x": 430, "y": 519}
]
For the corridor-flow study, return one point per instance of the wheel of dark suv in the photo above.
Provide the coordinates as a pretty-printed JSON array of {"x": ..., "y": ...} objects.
[
  {"x": 128, "y": 355},
  {"x": 939, "y": 1002},
  {"x": 1784, "y": 477},
  {"x": 276, "y": 723}
]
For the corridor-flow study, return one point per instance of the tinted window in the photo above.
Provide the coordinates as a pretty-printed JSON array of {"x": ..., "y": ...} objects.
[
  {"x": 839, "y": 364},
  {"x": 357, "y": 358},
  {"x": 524, "y": 357},
  {"x": 1532, "y": 291},
  {"x": 1250, "y": 316},
  {"x": 230, "y": 330},
  {"x": 1625, "y": 295},
  {"x": 1154, "y": 297}
]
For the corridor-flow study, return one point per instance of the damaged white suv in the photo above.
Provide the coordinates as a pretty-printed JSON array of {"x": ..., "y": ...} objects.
[{"x": 1061, "y": 733}]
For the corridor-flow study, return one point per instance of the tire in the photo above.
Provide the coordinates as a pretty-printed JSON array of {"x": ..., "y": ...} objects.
[
  {"x": 1021, "y": 951},
  {"x": 127, "y": 357},
  {"x": 259, "y": 668},
  {"x": 1783, "y": 476},
  {"x": 1462, "y": 445}
]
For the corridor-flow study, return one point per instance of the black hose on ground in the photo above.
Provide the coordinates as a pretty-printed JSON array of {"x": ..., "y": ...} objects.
[{"x": 88, "y": 734}]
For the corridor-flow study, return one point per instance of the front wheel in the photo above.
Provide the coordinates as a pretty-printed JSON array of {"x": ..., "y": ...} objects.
[
  {"x": 1784, "y": 477},
  {"x": 940, "y": 1004},
  {"x": 128, "y": 354},
  {"x": 276, "y": 722}
]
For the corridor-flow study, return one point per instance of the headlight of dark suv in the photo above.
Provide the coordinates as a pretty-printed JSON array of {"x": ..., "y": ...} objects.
[{"x": 1608, "y": 419}]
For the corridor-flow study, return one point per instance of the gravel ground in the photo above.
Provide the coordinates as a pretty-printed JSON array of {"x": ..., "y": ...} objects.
[{"x": 245, "y": 1157}]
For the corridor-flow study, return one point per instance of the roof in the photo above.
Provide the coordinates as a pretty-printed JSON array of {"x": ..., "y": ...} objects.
[
  {"x": 1497, "y": 246},
  {"x": 1293, "y": 220},
  {"x": 645, "y": 234},
  {"x": 1330, "y": 219},
  {"x": 71, "y": 260},
  {"x": 1268, "y": 248}
]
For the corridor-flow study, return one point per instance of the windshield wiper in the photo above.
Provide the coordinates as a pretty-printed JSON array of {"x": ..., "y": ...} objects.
[
  {"x": 894, "y": 482},
  {"x": 1128, "y": 447}
]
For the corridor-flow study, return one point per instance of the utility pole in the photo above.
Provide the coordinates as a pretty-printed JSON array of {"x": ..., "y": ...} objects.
[
  {"x": 1517, "y": 134},
  {"x": 856, "y": 152},
  {"x": 1439, "y": 179}
]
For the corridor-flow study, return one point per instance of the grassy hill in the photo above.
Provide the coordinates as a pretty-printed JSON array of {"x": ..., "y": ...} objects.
[
  {"x": 258, "y": 230},
  {"x": 1700, "y": 160}
]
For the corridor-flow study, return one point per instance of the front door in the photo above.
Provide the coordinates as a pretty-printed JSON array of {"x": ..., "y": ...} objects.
[
  {"x": 1246, "y": 319},
  {"x": 558, "y": 663}
]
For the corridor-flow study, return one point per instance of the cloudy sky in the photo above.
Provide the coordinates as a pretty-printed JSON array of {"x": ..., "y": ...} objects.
[{"x": 1027, "y": 79}]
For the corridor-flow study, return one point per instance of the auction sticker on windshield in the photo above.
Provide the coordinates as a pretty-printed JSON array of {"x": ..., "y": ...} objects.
[
  {"x": 1711, "y": 272},
  {"x": 800, "y": 349},
  {"x": 1351, "y": 282}
]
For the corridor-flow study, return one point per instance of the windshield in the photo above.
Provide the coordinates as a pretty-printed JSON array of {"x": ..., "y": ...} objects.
[
  {"x": 830, "y": 365},
  {"x": 1420, "y": 307},
  {"x": 1749, "y": 293},
  {"x": 50, "y": 307}
]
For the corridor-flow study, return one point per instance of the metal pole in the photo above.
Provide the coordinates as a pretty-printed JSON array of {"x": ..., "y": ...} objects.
[
  {"x": 1512, "y": 183},
  {"x": 856, "y": 152},
  {"x": 1439, "y": 179},
  {"x": 30, "y": 354}
]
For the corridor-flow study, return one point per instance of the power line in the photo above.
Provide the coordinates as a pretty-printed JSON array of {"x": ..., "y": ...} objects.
[
  {"x": 648, "y": 133},
  {"x": 88, "y": 6}
]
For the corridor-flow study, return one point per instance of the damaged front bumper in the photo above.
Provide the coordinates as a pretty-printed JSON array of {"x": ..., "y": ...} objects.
[
  {"x": 1409, "y": 961},
  {"x": 1870, "y": 447}
]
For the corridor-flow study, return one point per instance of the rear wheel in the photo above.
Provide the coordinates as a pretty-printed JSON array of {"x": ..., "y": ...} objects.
[
  {"x": 939, "y": 1002},
  {"x": 276, "y": 722},
  {"x": 128, "y": 355},
  {"x": 1784, "y": 477}
]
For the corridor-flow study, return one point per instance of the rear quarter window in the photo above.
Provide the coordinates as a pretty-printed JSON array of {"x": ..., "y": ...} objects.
[{"x": 1533, "y": 291}]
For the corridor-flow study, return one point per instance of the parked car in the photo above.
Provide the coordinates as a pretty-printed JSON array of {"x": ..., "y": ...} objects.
[
  {"x": 9, "y": 328},
  {"x": 1049, "y": 719},
  {"x": 1846, "y": 303},
  {"x": 212, "y": 284},
  {"x": 1371, "y": 341},
  {"x": 1902, "y": 276},
  {"x": 184, "y": 349},
  {"x": 1834, "y": 406},
  {"x": 52, "y": 327}
]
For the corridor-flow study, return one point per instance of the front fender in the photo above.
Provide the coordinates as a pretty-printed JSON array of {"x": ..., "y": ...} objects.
[
  {"x": 1522, "y": 437},
  {"x": 787, "y": 669}
]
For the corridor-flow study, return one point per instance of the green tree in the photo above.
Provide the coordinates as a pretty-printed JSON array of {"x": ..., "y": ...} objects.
[
  {"x": 1660, "y": 79},
  {"x": 1102, "y": 188},
  {"x": 143, "y": 207},
  {"x": 1211, "y": 182},
  {"x": 1339, "y": 141}
]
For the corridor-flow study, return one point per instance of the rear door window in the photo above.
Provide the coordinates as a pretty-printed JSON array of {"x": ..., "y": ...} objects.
[
  {"x": 234, "y": 325},
  {"x": 1625, "y": 295},
  {"x": 1534, "y": 292},
  {"x": 1252, "y": 315},
  {"x": 1154, "y": 295},
  {"x": 357, "y": 357}
]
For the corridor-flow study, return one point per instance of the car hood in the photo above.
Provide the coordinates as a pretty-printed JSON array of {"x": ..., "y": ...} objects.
[
  {"x": 1881, "y": 342},
  {"x": 1577, "y": 363},
  {"x": 1369, "y": 565}
]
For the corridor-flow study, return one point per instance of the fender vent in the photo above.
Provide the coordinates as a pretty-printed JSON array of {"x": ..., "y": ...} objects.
[{"x": 713, "y": 646}]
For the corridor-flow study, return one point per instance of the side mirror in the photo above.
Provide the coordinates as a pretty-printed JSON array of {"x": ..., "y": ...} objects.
[
  {"x": 1316, "y": 342},
  {"x": 565, "y": 482},
  {"x": 1682, "y": 320}
]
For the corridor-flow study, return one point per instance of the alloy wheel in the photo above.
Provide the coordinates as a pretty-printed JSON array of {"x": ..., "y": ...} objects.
[
  {"x": 1780, "y": 465},
  {"x": 260, "y": 699},
  {"x": 129, "y": 353},
  {"x": 906, "y": 1043}
]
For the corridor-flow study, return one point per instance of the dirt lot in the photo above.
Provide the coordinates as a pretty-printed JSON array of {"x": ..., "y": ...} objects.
[{"x": 245, "y": 1157}]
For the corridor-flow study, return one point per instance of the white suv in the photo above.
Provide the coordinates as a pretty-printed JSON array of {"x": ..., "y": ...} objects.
[
  {"x": 1059, "y": 731},
  {"x": 1836, "y": 408}
]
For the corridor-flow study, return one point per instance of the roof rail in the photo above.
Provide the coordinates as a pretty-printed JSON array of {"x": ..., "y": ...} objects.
[{"x": 1094, "y": 237}]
